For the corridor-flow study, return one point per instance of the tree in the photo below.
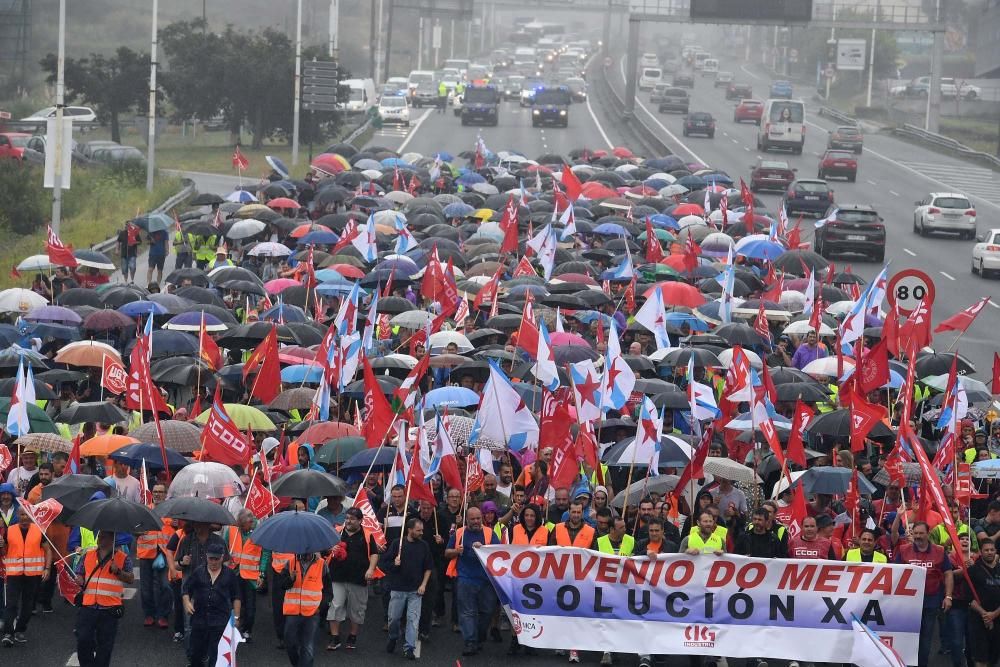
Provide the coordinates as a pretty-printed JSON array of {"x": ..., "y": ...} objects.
[{"x": 112, "y": 86}]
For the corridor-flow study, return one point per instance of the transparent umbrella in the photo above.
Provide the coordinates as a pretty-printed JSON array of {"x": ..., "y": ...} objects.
[{"x": 205, "y": 480}]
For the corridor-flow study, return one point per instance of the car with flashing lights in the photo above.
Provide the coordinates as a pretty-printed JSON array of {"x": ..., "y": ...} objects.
[
  {"x": 528, "y": 88},
  {"x": 550, "y": 106},
  {"x": 481, "y": 104}
]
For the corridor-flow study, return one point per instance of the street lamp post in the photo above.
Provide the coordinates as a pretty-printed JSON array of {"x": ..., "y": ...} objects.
[
  {"x": 871, "y": 57},
  {"x": 151, "y": 137},
  {"x": 298, "y": 84},
  {"x": 57, "y": 152}
]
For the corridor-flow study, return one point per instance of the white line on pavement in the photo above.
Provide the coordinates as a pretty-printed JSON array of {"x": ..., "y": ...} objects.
[
  {"x": 949, "y": 277},
  {"x": 735, "y": 141},
  {"x": 743, "y": 67},
  {"x": 74, "y": 661},
  {"x": 871, "y": 182},
  {"x": 413, "y": 131},
  {"x": 893, "y": 193},
  {"x": 600, "y": 128},
  {"x": 909, "y": 252},
  {"x": 992, "y": 304}
]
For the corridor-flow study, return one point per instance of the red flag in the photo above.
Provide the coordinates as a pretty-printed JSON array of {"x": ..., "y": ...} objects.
[
  {"x": 571, "y": 184},
  {"x": 795, "y": 235},
  {"x": 555, "y": 429},
  {"x": 474, "y": 476},
  {"x": 654, "y": 251},
  {"x": 396, "y": 183},
  {"x": 527, "y": 333},
  {"x": 864, "y": 417},
  {"x": 524, "y": 268},
  {"x": 630, "y": 296},
  {"x": 378, "y": 413},
  {"x": 962, "y": 320},
  {"x": 995, "y": 382},
  {"x": 5, "y": 458},
  {"x": 208, "y": 349},
  {"x": 240, "y": 162},
  {"x": 890, "y": 331},
  {"x": 873, "y": 371},
  {"x": 14, "y": 273},
  {"x": 488, "y": 292},
  {"x": 113, "y": 376},
  {"x": 68, "y": 588},
  {"x": 760, "y": 324},
  {"x": 894, "y": 465},
  {"x": 916, "y": 330},
  {"x": 691, "y": 253},
  {"x": 43, "y": 513},
  {"x": 508, "y": 225},
  {"x": 264, "y": 359},
  {"x": 369, "y": 521},
  {"x": 58, "y": 253},
  {"x": 418, "y": 489},
  {"x": 795, "y": 450},
  {"x": 221, "y": 439},
  {"x": 145, "y": 491},
  {"x": 141, "y": 393},
  {"x": 260, "y": 500},
  {"x": 587, "y": 450}
]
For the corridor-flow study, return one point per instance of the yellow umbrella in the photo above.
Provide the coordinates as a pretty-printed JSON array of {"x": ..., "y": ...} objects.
[
  {"x": 483, "y": 214},
  {"x": 251, "y": 210},
  {"x": 103, "y": 445},
  {"x": 244, "y": 416}
]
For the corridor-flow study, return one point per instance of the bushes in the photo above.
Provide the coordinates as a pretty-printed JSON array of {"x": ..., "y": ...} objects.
[{"x": 22, "y": 202}]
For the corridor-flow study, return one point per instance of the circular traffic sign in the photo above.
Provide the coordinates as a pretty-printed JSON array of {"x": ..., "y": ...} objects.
[{"x": 909, "y": 287}]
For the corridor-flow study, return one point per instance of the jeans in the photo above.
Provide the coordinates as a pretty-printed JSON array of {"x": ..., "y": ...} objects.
[
  {"x": 205, "y": 644},
  {"x": 21, "y": 592},
  {"x": 157, "y": 598},
  {"x": 248, "y": 612},
  {"x": 408, "y": 603},
  {"x": 957, "y": 620},
  {"x": 300, "y": 639},
  {"x": 928, "y": 619},
  {"x": 476, "y": 602},
  {"x": 95, "y": 636}
]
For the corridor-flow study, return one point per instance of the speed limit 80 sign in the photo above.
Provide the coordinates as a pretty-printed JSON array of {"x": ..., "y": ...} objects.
[{"x": 908, "y": 288}]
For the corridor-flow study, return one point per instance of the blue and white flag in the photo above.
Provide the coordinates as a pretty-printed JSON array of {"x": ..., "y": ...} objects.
[
  {"x": 503, "y": 416},
  {"x": 365, "y": 241},
  {"x": 545, "y": 367},
  {"x": 653, "y": 316},
  {"x": 619, "y": 378},
  {"x": 404, "y": 241}
]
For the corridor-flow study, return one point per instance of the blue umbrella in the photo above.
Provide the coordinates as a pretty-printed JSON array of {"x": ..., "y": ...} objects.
[
  {"x": 319, "y": 237},
  {"x": 169, "y": 343},
  {"x": 588, "y": 316},
  {"x": 142, "y": 308},
  {"x": 403, "y": 266},
  {"x": 284, "y": 311},
  {"x": 193, "y": 319},
  {"x": 458, "y": 210},
  {"x": 378, "y": 458},
  {"x": 655, "y": 183},
  {"x": 717, "y": 178},
  {"x": 761, "y": 249},
  {"x": 299, "y": 373},
  {"x": 530, "y": 394},
  {"x": 692, "y": 182},
  {"x": 680, "y": 319},
  {"x": 277, "y": 165},
  {"x": 134, "y": 455},
  {"x": 832, "y": 480},
  {"x": 451, "y": 396},
  {"x": 154, "y": 222},
  {"x": 668, "y": 163},
  {"x": 241, "y": 197},
  {"x": 612, "y": 229},
  {"x": 295, "y": 532},
  {"x": 664, "y": 221},
  {"x": 335, "y": 289},
  {"x": 332, "y": 276},
  {"x": 444, "y": 156},
  {"x": 396, "y": 162},
  {"x": 470, "y": 178},
  {"x": 57, "y": 331}
]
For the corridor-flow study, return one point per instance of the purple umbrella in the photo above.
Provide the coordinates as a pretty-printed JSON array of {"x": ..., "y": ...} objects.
[
  {"x": 103, "y": 320},
  {"x": 55, "y": 314}
]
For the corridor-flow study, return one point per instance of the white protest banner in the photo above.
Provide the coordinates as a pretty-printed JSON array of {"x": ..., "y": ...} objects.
[{"x": 558, "y": 597}]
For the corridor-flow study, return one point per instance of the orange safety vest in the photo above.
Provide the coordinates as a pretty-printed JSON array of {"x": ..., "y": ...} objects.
[
  {"x": 25, "y": 555},
  {"x": 280, "y": 561},
  {"x": 584, "y": 538},
  {"x": 150, "y": 543},
  {"x": 452, "y": 570},
  {"x": 539, "y": 539},
  {"x": 306, "y": 594},
  {"x": 180, "y": 538},
  {"x": 245, "y": 554},
  {"x": 103, "y": 588}
]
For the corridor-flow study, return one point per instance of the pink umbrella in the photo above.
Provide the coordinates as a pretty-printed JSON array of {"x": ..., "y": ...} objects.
[
  {"x": 277, "y": 285},
  {"x": 567, "y": 338}
]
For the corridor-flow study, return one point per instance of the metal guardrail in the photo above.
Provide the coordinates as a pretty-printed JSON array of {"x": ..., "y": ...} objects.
[
  {"x": 171, "y": 202},
  {"x": 358, "y": 131},
  {"x": 947, "y": 143},
  {"x": 655, "y": 146},
  {"x": 838, "y": 116}
]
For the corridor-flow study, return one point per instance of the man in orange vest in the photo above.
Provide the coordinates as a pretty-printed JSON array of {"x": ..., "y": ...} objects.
[
  {"x": 102, "y": 574},
  {"x": 474, "y": 592},
  {"x": 573, "y": 533},
  {"x": 250, "y": 562},
  {"x": 305, "y": 580},
  {"x": 150, "y": 548},
  {"x": 27, "y": 560}
]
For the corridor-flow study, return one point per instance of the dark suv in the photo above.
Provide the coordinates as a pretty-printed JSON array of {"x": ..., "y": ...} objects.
[
  {"x": 855, "y": 228},
  {"x": 481, "y": 104},
  {"x": 674, "y": 99},
  {"x": 550, "y": 106},
  {"x": 848, "y": 138},
  {"x": 699, "y": 122},
  {"x": 807, "y": 196}
]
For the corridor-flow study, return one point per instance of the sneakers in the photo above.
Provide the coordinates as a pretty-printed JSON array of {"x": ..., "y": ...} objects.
[
  {"x": 148, "y": 622},
  {"x": 47, "y": 608},
  {"x": 645, "y": 661},
  {"x": 7, "y": 641},
  {"x": 163, "y": 624},
  {"x": 390, "y": 646},
  {"x": 408, "y": 654},
  {"x": 352, "y": 642},
  {"x": 469, "y": 649},
  {"x": 178, "y": 636},
  {"x": 793, "y": 663},
  {"x": 606, "y": 659},
  {"x": 20, "y": 638},
  {"x": 574, "y": 656},
  {"x": 334, "y": 643}
]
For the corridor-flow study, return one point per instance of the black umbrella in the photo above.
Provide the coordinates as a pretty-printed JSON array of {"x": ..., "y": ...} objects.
[
  {"x": 244, "y": 287},
  {"x": 199, "y": 510},
  {"x": 206, "y": 199},
  {"x": 654, "y": 387},
  {"x": 201, "y": 295},
  {"x": 702, "y": 357},
  {"x": 792, "y": 261},
  {"x": 116, "y": 515},
  {"x": 96, "y": 411},
  {"x": 78, "y": 296},
  {"x": 783, "y": 374},
  {"x": 42, "y": 390},
  {"x": 738, "y": 333},
  {"x": 675, "y": 399},
  {"x": 838, "y": 424},
  {"x": 939, "y": 363},
  {"x": 394, "y": 305},
  {"x": 809, "y": 392},
  {"x": 308, "y": 483},
  {"x": 75, "y": 491}
]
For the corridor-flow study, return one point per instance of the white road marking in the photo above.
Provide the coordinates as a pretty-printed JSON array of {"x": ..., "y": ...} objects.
[
  {"x": 893, "y": 193},
  {"x": 413, "y": 131},
  {"x": 735, "y": 141},
  {"x": 870, "y": 181},
  {"x": 74, "y": 661},
  {"x": 909, "y": 252},
  {"x": 949, "y": 277},
  {"x": 992, "y": 304},
  {"x": 746, "y": 148},
  {"x": 593, "y": 116},
  {"x": 743, "y": 67}
]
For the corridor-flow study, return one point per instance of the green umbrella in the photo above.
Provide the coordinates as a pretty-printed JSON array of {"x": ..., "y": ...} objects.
[
  {"x": 40, "y": 422},
  {"x": 338, "y": 450},
  {"x": 657, "y": 271},
  {"x": 244, "y": 416},
  {"x": 660, "y": 233}
]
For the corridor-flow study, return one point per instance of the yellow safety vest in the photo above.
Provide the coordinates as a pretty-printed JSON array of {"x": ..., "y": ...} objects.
[
  {"x": 626, "y": 548},
  {"x": 854, "y": 556},
  {"x": 204, "y": 249},
  {"x": 712, "y": 544}
]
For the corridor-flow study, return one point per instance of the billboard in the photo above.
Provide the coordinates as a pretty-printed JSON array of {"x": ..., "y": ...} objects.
[
  {"x": 851, "y": 54},
  {"x": 726, "y": 11}
]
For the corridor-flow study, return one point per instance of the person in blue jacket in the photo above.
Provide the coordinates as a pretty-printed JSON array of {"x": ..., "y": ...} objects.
[
  {"x": 306, "y": 456},
  {"x": 8, "y": 504}
]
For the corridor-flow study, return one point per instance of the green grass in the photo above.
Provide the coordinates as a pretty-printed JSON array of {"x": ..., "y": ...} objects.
[
  {"x": 94, "y": 209},
  {"x": 980, "y": 134}
]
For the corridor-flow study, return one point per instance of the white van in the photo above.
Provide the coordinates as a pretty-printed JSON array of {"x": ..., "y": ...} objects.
[
  {"x": 362, "y": 96},
  {"x": 417, "y": 77},
  {"x": 710, "y": 67},
  {"x": 457, "y": 63},
  {"x": 649, "y": 77},
  {"x": 700, "y": 58},
  {"x": 782, "y": 125}
]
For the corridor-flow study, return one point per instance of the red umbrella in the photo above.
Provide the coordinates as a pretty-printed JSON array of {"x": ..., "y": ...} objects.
[
  {"x": 644, "y": 191},
  {"x": 295, "y": 354},
  {"x": 577, "y": 278},
  {"x": 567, "y": 338},
  {"x": 538, "y": 167},
  {"x": 678, "y": 294},
  {"x": 348, "y": 271},
  {"x": 597, "y": 190},
  {"x": 302, "y": 230},
  {"x": 675, "y": 262},
  {"x": 599, "y": 153},
  {"x": 323, "y": 431},
  {"x": 103, "y": 320},
  {"x": 622, "y": 152},
  {"x": 283, "y": 202},
  {"x": 687, "y": 209}
]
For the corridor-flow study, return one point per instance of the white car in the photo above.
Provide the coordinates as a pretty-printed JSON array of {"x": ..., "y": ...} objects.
[
  {"x": 945, "y": 212},
  {"x": 649, "y": 60},
  {"x": 394, "y": 110},
  {"x": 986, "y": 253},
  {"x": 76, "y": 114}
]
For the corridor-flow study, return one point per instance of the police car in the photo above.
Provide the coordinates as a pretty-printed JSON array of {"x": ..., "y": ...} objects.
[
  {"x": 481, "y": 103},
  {"x": 550, "y": 106}
]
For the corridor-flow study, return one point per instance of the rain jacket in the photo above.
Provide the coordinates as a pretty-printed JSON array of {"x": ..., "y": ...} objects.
[
  {"x": 9, "y": 488},
  {"x": 312, "y": 502}
]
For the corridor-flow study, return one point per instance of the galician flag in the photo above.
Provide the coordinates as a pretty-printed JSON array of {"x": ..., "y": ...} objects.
[
  {"x": 231, "y": 638},
  {"x": 503, "y": 415},
  {"x": 17, "y": 415},
  {"x": 619, "y": 378}
]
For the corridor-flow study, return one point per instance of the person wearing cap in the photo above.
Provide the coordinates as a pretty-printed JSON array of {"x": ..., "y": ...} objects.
[
  {"x": 21, "y": 475},
  {"x": 211, "y": 595},
  {"x": 353, "y": 567},
  {"x": 221, "y": 259}
]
